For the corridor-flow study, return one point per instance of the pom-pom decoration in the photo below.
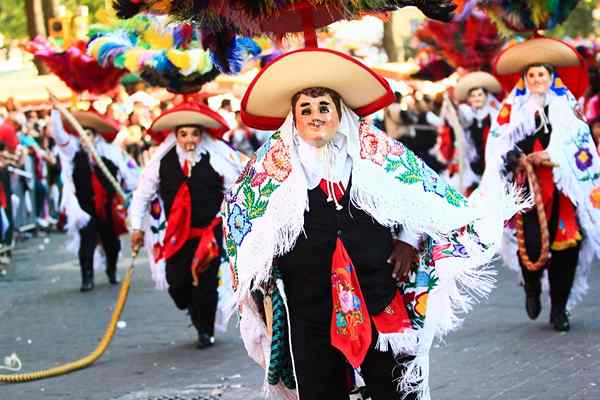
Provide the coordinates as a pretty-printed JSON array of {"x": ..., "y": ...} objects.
[
  {"x": 527, "y": 15},
  {"x": 75, "y": 68},
  {"x": 169, "y": 55},
  {"x": 255, "y": 17}
]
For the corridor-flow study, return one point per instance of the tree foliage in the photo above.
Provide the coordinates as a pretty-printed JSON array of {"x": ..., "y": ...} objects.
[{"x": 13, "y": 20}]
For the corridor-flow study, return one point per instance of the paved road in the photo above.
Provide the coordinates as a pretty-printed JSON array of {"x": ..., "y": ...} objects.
[{"x": 498, "y": 354}]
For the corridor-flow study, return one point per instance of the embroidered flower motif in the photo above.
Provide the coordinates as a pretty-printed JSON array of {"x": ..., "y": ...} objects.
[
  {"x": 346, "y": 301},
  {"x": 259, "y": 179},
  {"x": 157, "y": 252},
  {"x": 374, "y": 148},
  {"x": 239, "y": 225},
  {"x": 396, "y": 149},
  {"x": 230, "y": 197},
  {"x": 248, "y": 170},
  {"x": 155, "y": 209},
  {"x": 583, "y": 159},
  {"x": 277, "y": 162},
  {"x": 421, "y": 306},
  {"x": 595, "y": 197}
]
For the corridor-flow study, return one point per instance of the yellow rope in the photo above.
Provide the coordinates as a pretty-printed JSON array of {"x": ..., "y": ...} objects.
[{"x": 93, "y": 356}]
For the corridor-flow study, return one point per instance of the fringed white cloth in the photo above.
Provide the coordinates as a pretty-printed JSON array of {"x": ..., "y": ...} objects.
[{"x": 395, "y": 188}]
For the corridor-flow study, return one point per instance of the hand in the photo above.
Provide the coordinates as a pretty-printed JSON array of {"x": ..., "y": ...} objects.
[
  {"x": 402, "y": 257},
  {"x": 137, "y": 240},
  {"x": 540, "y": 158}
]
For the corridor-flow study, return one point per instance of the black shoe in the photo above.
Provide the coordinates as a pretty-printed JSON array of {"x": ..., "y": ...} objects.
[
  {"x": 112, "y": 277},
  {"x": 205, "y": 341},
  {"x": 560, "y": 322},
  {"x": 87, "y": 285},
  {"x": 533, "y": 306},
  {"x": 87, "y": 278}
]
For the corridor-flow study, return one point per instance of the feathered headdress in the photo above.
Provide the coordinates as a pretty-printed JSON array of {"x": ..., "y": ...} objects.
[
  {"x": 527, "y": 15},
  {"x": 252, "y": 17},
  {"x": 169, "y": 55},
  {"x": 470, "y": 41},
  {"x": 76, "y": 69}
]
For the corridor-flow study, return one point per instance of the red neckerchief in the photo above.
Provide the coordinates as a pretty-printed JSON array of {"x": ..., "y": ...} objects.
[{"x": 351, "y": 330}]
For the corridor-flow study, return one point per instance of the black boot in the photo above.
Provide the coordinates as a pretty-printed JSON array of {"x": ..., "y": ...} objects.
[
  {"x": 205, "y": 338},
  {"x": 87, "y": 277},
  {"x": 111, "y": 272},
  {"x": 560, "y": 321},
  {"x": 533, "y": 305}
]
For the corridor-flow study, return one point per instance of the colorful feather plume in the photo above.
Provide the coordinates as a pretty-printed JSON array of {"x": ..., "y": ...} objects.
[
  {"x": 527, "y": 15},
  {"x": 470, "y": 42},
  {"x": 75, "y": 68},
  {"x": 170, "y": 55},
  {"x": 255, "y": 17}
]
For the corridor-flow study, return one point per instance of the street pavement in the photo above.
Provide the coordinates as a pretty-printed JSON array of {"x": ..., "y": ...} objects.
[{"x": 498, "y": 354}]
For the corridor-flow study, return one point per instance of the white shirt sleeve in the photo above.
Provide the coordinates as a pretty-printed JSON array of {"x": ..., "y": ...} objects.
[
  {"x": 67, "y": 144},
  {"x": 142, "y": 196},
  {"x": 465, "y": 115},
  {"x": 433, "y": 119},
  {"x": 410, "y": 237}
]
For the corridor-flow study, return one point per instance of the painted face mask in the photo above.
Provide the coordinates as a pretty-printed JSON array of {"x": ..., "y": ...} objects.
[
  {"x": 538, "y": 80},
  {"x": 317, "y": 119},
  {"x": 188, "y": 137}
]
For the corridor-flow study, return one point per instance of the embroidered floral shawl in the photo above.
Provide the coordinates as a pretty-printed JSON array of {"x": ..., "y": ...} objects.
[
  {"x": 578, "y": 173},
  {"x": 264, "y": 214}
]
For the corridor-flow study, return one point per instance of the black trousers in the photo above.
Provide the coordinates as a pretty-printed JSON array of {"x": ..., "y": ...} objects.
[
  {"x": 201, "y": 301},
  {"x": 322, "y": 371},
  {"x": 561, "y": 266},
  {"x": 98, "y": 231}
]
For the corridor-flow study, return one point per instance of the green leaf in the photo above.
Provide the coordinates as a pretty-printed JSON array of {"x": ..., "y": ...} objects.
[
  {"x": 249, "y": 197},
  {"x": 258, "y": 210},
  {"x": 410, "y": 177},
  {"x": 231, "y": 248},
  {"x": 392, "y": 165},
  {"x": 268, "y": 189}
]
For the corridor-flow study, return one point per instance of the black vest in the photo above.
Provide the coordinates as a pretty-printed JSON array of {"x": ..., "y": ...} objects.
[
  {"x": 306, "y": 270},
  {"x": 82, "y": 180},
  {"x": 476, "y": 134},
  {"x": 205, "y": 184}
]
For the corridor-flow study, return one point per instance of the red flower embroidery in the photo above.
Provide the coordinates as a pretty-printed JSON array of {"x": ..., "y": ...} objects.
[
  {"x": 277, "y": 162},
  {"x": 157, "y": 252},
  {"x": 374, "y": 148},
  {"x": 258, "y": 179}
]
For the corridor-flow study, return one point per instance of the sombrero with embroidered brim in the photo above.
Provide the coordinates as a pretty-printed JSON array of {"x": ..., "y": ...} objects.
[
  {"x": 101, "y": 124},
  {"x": 189, "y": 114},
  {"x": 267, "y": 100},
  {"x": 476, "y": 80},
  {"x": 570, "y": 66}
]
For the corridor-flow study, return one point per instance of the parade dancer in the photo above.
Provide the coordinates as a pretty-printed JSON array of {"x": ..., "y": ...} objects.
[
  {"x": 189, "y": 171},
  {"x": 540, "y": 141},
  {"x": 478, "y": 107},
  {"x": 323, "y": 286},
  {"x": 91, "y": 204}
]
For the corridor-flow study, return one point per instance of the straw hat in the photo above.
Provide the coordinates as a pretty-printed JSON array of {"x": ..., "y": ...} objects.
[
  {"x": 103, "y": 125},
  {"x": 476, "y": 80},
  {"x": 267, "y": 100},
  {"x": 570, "y": 66},
  {"x": 188, "y": 114}
]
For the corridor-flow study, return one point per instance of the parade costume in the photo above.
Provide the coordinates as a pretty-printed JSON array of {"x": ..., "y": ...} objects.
[
  {"x": 89, "y": 199},
  {"x": 190, "y": 186},
  {"x": 308, "y": 234},
  {"x": 562, "y": 233},
  {"x": 475, "y": 124}
]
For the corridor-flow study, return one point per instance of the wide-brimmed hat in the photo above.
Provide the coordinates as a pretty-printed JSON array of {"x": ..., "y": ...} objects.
[
  {"x": 101, "y": 124},
  {"x": 570, "y": 66},
  {"x": 189, "y": 114},
  {"x": 475, "y": 80},
  {"x": 267, "y": 100}
]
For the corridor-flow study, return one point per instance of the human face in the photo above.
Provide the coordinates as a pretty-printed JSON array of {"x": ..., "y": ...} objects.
[
  {"x": 538, "y": 80},
  {"x": 317, "y": 119},
  {"x": 596, "y": 130},
  {"x": 188, "y": 137},
  {"x": 477, "y": 98}
]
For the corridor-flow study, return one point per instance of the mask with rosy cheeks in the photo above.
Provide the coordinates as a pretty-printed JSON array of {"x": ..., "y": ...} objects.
[
  {"x": 538, "y": 80},
  {"x": 188, "y": 137},
  {"x": 477, "y": 98},
  {"x": 317, "y": 119}
]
